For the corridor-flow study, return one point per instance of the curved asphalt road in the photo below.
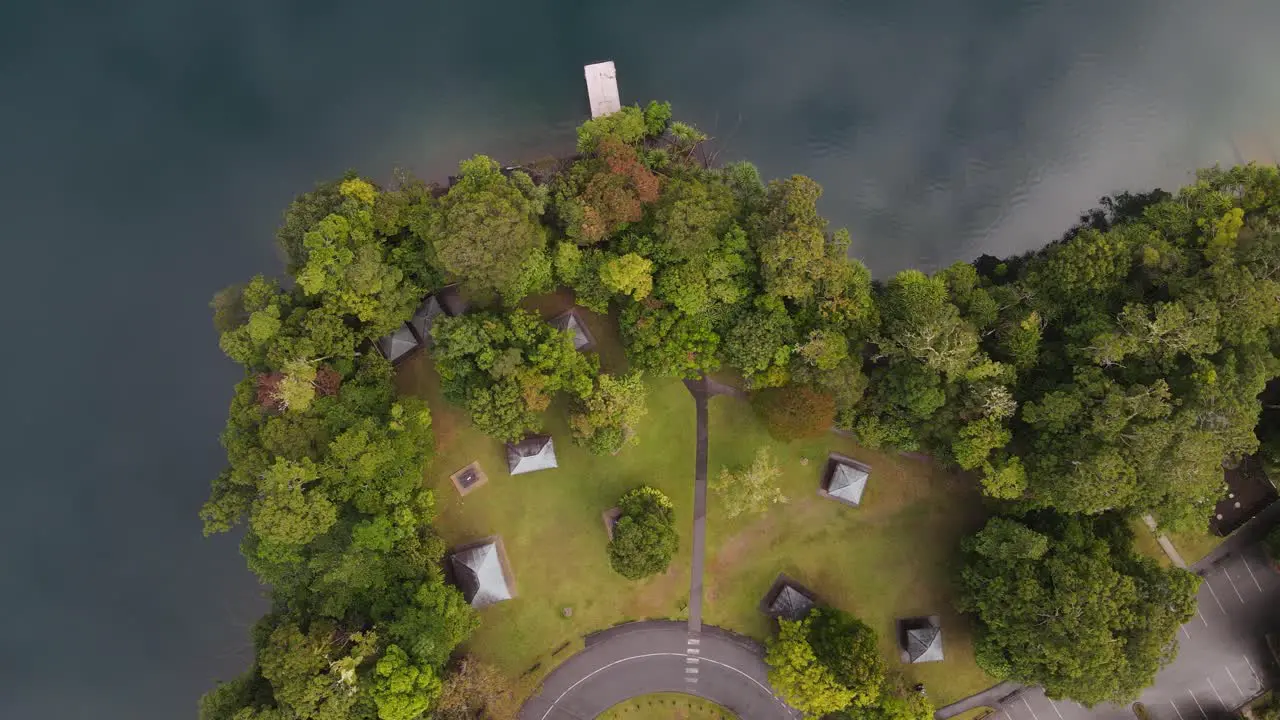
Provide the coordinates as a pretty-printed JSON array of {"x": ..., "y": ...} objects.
[{"x": 658, "y": 656}]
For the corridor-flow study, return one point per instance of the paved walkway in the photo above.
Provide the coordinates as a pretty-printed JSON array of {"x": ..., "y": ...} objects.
[
  {"x": 698, "y": 388},
  {"x": 666, "y": 656}
]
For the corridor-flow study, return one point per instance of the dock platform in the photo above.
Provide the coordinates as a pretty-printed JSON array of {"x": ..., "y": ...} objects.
[{"x": 602, "y": 88}]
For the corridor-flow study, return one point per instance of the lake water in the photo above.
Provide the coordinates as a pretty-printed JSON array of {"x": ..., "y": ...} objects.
[{"x": 146, "y": 152}]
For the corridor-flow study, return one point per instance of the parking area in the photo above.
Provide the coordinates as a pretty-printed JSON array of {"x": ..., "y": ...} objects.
[{"x": 1222, "y": 662}]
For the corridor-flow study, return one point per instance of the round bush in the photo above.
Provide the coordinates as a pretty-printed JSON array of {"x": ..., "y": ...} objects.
[{"x": 644, "y": 538}]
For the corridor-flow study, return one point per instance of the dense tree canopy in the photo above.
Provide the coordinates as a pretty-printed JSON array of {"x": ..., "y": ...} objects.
[
  {"x": 644, "y": 537},
  {"x": 827, "y": 662},
  {"x": 1063, "y": 601},
  {"x": 504, "y": 368},
  {"x": 324, "y": 473},
  {"x": 1113, "y": 371}
]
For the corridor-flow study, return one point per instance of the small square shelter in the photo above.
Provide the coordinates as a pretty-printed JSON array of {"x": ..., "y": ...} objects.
[
  {"x": 787, "y": 600},
  {"x": 396, "y": 346},
  {"x": 535, "y": 452},
  {"x": 482, "y": 573},
  {"x": 423, "y": 320},
  {"x": 451, "y": 300},
  {"x": 844, "y": 479},
  {"x": 571, "y": 321},
  {"x": 920, "y": 639}
]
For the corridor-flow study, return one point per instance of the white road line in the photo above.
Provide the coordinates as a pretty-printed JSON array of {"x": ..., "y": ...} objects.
[
  {"x": 1033, "y": 712},
  {"x": 1053, "y": 705},
  {"x": 693, "y": 651},
  {"x": 694, "y": 641},
  {"x": 1193, "y": 697},
  {"x": 1255, "y": 672},
  {"x": 691, "y": 671},
  {"x": 1206, "y": 622},
  {"x": 1175, "y": 709},
  {"x": 601, "y": 669},
  {"x": 691, "y": 661},
  {"x": 1215, "y": 596},
  {"x": 1215, "y": 691},
  {"x": 1227, "y": 575},
  {"x": 1183, "y": 628},
  {"x": 1233, "y": 680},
  {"x": 1255, "y": 577},
  {"x": 688, "y": 680}
]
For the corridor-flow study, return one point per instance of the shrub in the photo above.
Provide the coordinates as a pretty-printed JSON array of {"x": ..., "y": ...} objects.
[
  {"x": 795, "y": 412},
  {"x": 1272, "y": 545},
  {"x": 644, "y": 538}
]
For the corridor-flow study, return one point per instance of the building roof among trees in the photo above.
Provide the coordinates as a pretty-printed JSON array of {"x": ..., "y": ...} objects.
[
  {"x": 570, "y": 320},
  {"x": 790, "y": 603},
  {"x": 535, "y": 452},
  {"x": 478, "y": 572},
  {"x": 451, "y": 300},
  {"x": 424, "y": 318},
  {"x": 847, "y": 483},
  {"x": 924, "y": 643},
  {"x": 398, "y": 344}
]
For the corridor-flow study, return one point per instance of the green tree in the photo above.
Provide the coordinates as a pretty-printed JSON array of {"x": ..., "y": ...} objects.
[
  {"x": 669, "y": 343},
  {"x": 644, "y": 538},
  {"x": 487, "y": 232},
  {"x": 791, "y": 241},
  {"x": 505, "y": 368},
  {"x": 751, "y": 490},
  {"x": 629, "y": 274},
  {"x": 1064, "y": 602},
  {"x": 799, "y": 677},
  {"x": 605, "y": 420},
  {"x": 918, "y": 322},
  {"x": 848, "y": 648},
  {"x": 403, "y": 690}
]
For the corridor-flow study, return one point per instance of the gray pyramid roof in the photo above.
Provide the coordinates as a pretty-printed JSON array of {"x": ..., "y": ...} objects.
[
  {"x": 847, "y": 483},
  {"x": 924, "y": 644},
  {"x": 536, "y": 452},
  {"x": 451, "y": 299},
  {"x": 424, "y": 318},
  {"x": 571, "y": 322},
  {"x": 790, "y": 603},
  {"x": 398, "y": 344},
  {"x": 479, "y": 575}
]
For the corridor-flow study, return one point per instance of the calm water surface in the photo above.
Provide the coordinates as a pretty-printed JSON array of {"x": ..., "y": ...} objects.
[{"x": 146, "y": 152}]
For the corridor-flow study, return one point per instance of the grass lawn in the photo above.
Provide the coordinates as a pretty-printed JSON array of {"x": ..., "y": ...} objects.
[
  {"x": 892, "y": 557},
  {"x": 550, "y": 520},
  {"x": 667, "y": 706}
]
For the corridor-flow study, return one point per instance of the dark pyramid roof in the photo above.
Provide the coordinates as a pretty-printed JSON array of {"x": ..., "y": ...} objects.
[
  {"x": 424, "y": 318},
  {"x": 478, "y": 571},
  {"x": 398, "y": 344},
  {"x": 536, "y": 452},
  {"x": 451, "y": 299},
  {"x": 847, "y": 482},
  {"x": 790, "y": 604},
  {"x": 924, "y": 644},
  {"x": 572, "y": 322}
]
